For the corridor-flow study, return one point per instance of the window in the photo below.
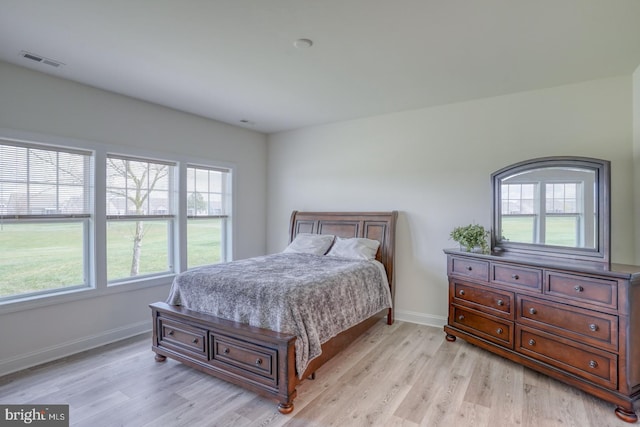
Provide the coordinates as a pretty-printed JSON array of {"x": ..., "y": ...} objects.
[
  {"x": 77, "y": 219},
  {"x": 45, "y": 213},
  {"x": 139, "y": 210},
  {"x": 208, "y": 207}
]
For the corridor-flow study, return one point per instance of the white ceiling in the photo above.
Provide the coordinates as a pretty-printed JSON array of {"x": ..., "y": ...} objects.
[{"x": 234, "y": 60}]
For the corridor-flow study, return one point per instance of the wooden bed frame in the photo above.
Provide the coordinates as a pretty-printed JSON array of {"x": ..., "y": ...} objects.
[{"x": 260, "y": 359}]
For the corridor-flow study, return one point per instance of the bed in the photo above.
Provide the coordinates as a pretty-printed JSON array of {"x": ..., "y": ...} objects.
[{"x": 260, "y": 359}]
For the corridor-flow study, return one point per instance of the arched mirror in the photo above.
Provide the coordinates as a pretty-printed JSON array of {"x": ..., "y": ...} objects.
[{"x": 553, "y": 206}]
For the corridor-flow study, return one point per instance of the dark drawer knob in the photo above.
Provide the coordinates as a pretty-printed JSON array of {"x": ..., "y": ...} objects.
[
  {"x": 533, "y": 310},
  {"x": 226, "y": 350},
  {"x": 500, "y": 302},
  {"x": 469, "y": 268},
  {"x": 461, "y": 317},
  {"x": 258, "y": 361},
  {"x": 578, "y": 288},
  {"x": 593, "y": 364},
  {"x": 515, "y": 276},
  {"x": 461, "y": 292},
  {"x": 499, "y": 331},
  {"x": 170, "y": 333},
  {"x": 532, "y": 342},
  {"x": 195, "y": 341},
  {"x": 593, "y": 327}
]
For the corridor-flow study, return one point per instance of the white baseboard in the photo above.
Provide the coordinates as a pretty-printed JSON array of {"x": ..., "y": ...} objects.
[
  {"x": 28, "y": 360},
  {"x": 420, "y": 318}
]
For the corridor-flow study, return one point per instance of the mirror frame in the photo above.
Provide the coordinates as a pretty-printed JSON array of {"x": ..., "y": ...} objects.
[{"x": 600, "y": 253}]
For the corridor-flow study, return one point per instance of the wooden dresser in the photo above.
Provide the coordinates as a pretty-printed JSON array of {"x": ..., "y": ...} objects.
[{"x": 576, "y": 322}]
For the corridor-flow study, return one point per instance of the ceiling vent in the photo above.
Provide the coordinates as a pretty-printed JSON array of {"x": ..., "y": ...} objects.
[{"x": 40, "y": 59}]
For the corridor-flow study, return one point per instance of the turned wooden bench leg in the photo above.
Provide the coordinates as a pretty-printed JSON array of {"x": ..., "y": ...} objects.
[
  {"x": 626, "y": 415},
  {"x": 285, "y": 407}
]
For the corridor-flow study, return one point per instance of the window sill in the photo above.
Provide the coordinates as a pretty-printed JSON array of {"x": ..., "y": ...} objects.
[{"x": 63, "y": 297}]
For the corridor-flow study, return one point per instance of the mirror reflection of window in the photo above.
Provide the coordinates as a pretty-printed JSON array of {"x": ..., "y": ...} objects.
[
  {"x": 549, "y": 206},
  {"x": 564, "y": 214},
  {"x": 519, "y": 213}
]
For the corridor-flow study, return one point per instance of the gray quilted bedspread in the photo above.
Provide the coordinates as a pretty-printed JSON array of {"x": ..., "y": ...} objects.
[{"x": 313, "y": 297}]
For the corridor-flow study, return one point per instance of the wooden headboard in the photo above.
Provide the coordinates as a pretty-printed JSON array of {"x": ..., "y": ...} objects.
[{"x": 380, "y": 226}]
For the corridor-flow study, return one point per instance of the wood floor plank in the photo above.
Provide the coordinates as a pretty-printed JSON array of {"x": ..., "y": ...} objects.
[
  {"x": 404, "y": 375},
  {"x": 506, "y": 392},
  {"x": 429, "y": 380}
]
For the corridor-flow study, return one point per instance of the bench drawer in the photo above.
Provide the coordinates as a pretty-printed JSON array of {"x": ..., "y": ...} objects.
[
  {"x": 173, "y": 333},
  {"x": 247, "y": 359}
]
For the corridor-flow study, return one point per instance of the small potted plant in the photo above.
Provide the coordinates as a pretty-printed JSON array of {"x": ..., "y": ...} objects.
[{"x": 472, "y": 237}]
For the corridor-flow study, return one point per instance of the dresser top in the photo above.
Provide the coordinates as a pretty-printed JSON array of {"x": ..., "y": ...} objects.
[{"x": 624, "y": 271}]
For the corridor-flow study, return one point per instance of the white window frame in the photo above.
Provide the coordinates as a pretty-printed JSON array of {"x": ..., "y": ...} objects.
[
  {"x": 227, "y": 207},
  {"x": 168, "y": 217},
  {"x": 82, "y": 219},
  {"x": 97, "y": 274}
]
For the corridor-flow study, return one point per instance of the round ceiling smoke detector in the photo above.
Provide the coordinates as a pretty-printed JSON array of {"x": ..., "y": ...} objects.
[{"x": 303, "y": 43}]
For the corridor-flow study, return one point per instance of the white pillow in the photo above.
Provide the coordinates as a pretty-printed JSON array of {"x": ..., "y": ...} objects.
[
  {"x": 355, "y": 247},
  {"x": 306, "y": 243}
]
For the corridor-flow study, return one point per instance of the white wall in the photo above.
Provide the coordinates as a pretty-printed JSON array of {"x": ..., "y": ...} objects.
[
  {"x": 33, "y": 102},
  {"x": 434, "y": 166}
]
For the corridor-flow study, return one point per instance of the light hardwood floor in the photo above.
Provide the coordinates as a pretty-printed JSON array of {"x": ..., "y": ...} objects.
[{"x": 400, "y": 375}]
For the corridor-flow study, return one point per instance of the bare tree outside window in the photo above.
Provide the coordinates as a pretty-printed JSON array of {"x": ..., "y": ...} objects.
[{"x": 137, "y": 189}]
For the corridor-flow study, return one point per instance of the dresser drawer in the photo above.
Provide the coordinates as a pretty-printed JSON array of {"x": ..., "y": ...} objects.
[
  {"x": 475, "y": 269},
  {"x": 590, "y": 363},
  {"x": 516, "y": 276},
  {"x": 175, "y": 334},
  {"x": 488, "y": 300},
  {"x": 592, "y": 290},
  {"x": 249, "y": 360},
  {"x": 590, "y": 327},
  {"x": 488, "y": 327}
]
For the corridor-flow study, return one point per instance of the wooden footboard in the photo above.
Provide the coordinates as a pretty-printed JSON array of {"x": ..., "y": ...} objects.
[{"x": 257, "y": 359}]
